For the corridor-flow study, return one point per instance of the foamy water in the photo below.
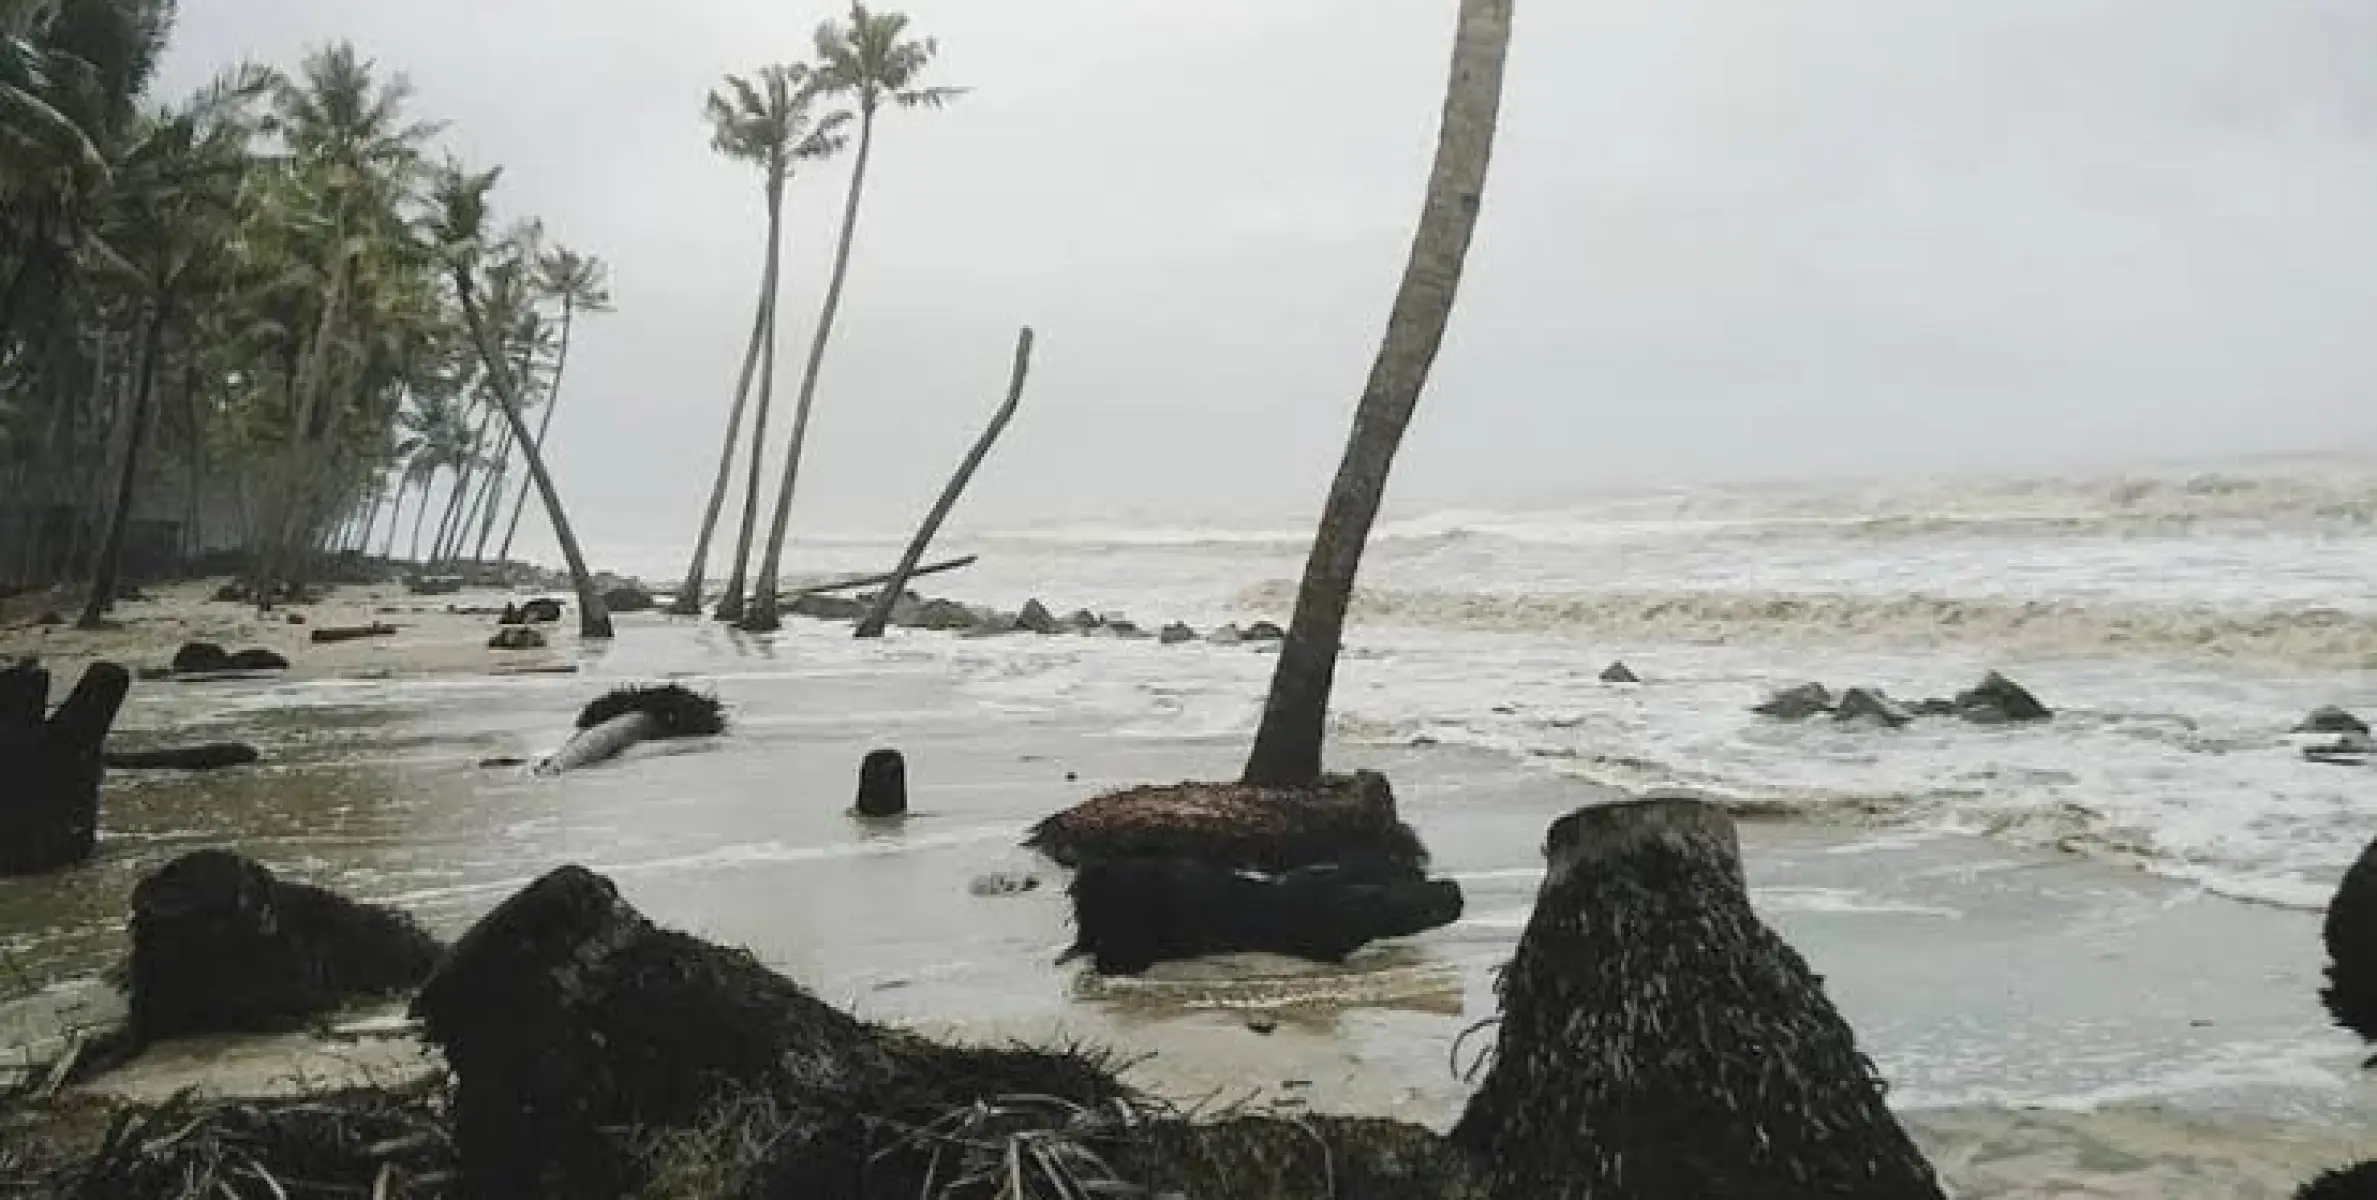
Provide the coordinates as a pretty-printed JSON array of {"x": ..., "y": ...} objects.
[{"x": 2181, "y": 623}]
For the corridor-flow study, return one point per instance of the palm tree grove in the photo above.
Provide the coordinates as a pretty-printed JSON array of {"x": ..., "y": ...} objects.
[{"x": 1309, "y": 601}]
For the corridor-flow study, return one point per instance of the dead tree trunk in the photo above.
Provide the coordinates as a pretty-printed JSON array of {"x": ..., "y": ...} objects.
[
  {"x": 872, "y": 627},
  {"x": 49, "y": 810}
]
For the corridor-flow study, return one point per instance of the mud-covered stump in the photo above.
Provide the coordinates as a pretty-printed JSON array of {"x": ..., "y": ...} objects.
[
  {"x": 50, "y": 767},
  {"x": 1658, "y": 1041},
  {"x": 1130, "y": 914},
  {"x": 1234, "y": 825},
  {"x": 882, "y": 785}
]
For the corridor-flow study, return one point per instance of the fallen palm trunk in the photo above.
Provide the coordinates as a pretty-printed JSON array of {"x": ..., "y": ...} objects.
[
  {"x": 52, "y": 765},
  {"x": 220, "y": 945},
  {"x": 1346, "y": 818},
  {"x": 213, "y": 756},
  {"x": 350, "y": 633},
  {"x": 862, "y": 581},
  {"x": 612, "y": 723},
  {"x": 1658, "y": 1041},
  {"x": 1130, "y": 914}
]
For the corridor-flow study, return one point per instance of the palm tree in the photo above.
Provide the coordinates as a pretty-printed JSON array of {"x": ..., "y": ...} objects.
[
  {"x": 873, "y": 61},
  {"x": 460, "y": 226},
  {"x": 770, "y": 123},
  {"x": 1287, "y": 747},
  {"x": 582, "y": 283}
]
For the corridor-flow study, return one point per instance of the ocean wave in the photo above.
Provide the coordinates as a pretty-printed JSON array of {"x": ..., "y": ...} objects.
[{"x": 2325, "y": 637}]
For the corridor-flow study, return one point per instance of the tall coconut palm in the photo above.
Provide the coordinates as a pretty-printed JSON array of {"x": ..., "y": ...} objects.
[
  {"x": 1287, "y": 747},
  {"x": 582, "y": 284},
  {"x": 874, "y": 62},
  {"x": 771, "y": 123},
  {"x": 459, "y": 224}
]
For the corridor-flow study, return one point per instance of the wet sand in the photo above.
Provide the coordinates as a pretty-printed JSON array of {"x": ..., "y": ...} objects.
[{"x": 2051, "y": 1025}]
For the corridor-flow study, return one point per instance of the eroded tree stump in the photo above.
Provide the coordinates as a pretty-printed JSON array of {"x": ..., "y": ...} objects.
[
  {"x": 882, "y": 785},
  {"x": 1234, "y": 825},
  {"x": 50, "y": 766}
]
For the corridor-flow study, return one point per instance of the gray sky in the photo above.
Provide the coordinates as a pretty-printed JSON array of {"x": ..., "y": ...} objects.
[{"x": 1724, "y": 239}]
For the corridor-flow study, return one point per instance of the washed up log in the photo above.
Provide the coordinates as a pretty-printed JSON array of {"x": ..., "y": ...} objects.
[
  {"x": 1658, "y": 1041},
  {"x": 617, "y": 720},
  {"x": 1130, "y": 914},
  {"x": 220, "y": 945},
  {"x": 863, "y": 581},
  {"x": 212, "y": 756},
  {"x": 330, "y": 635},
  {"x": 1231, "y": 825},
  {"x": 52, "y": 765}
]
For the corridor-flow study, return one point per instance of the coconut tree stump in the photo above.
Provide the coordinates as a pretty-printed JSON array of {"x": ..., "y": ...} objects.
[
  {"x": 882, "y": 785},
  {"x": 1234, "y": 825},
  {"x": 1659, "y": 1041},
  {"x": 1130, "y": 914},
  {"x": 220, "y": 945},
  {"x": 52, "y": 765}
]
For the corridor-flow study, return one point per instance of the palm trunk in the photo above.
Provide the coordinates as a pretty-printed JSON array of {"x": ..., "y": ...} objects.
[
  {"x": 441, "y": 550},
  {"x": 193, "y": 536},
  {"x": 404, "y": 483},
  {"x": 889, "y": 595},
  {"x": 361, "y": 542},
  {"x": 480, "y": 515},
  {"x": 544, "y": 424},
  {"x": 763, "y": 617},
  {"x": 420, "y": 510},
  {"x": 688, "y": 602},
  {"x": 594, "y": 617},
  {"x": 730, "y": 606},
  {"x": 1287, "y": 747},
  {"x": 111, "y": 551}
]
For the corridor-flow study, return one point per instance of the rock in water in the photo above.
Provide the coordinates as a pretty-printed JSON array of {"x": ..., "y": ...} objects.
[
  {"x": 200, "y": 658},
  {"x": 52, "y": 765},
  {"x": 1265, "y": 631},
  {"x": 938, "y": 615},
  {"x": 1035, "y": 618},
  {"x": 259, "y": 659},
  {"x": 1227, "y": 635},
  {"x": 1176, "y": 633},
  {"x": 1797, "y": 704},
  {"x": 882, "y": 785},
  {"x": 219, "y": 946},
  {"x": 2357, "y": 1182},
  {"x": 516, "y": 637},
  {"x": 1130, "y": 914},
  {"x": 544, "y": 610},
  {"x": 1871, "y": 706},
  {"x": 2332, "y": 719},
  {"x": 827, "y": 608},
  {"x": 1658, "y": 1041},
  {"x": 1233, "y": 826},
  {"x": 1997, "y": 700},
  {"x": 1619, "y": 672},
  {"x": 628, "y": 598}
]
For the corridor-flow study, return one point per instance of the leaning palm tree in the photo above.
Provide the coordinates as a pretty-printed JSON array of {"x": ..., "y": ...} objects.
[
  {"x": 582, "y": 283},
  {"x": 873, "y": 61},
  {"x": 771, "y": 123},
  {"x": 459, "y": 225},
  {"x": 1287, "y": 747}
]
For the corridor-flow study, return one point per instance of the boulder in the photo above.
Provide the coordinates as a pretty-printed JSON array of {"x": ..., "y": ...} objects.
[
  {"x": 1132, "y": 913},
  {"x": 52, "y": 764},
  {"x": 882, "y": 785},
  {"x": 1124, "y": 629},
  {"x": 1176, "y": 633},
  {"x": 1871, "y": 706},
  {"x": 1265, "y": 631},
  {"x": 219, "y": 945},
  {"x": 1935, "y": 708},
  {"x": 1658, "y": 1041},
  {"x": 628, "y": 598},
  {"x": 259, "y": 659},
  {"x": 1035, "y": 618},
  {"x": 818, "y": 607},
  {"x": 1227, "y": 635},
  {"x": 1798, "y": 703},
  {"x": 939, "y": 615},
  {"x": 516, "y": 637},
  {"x": 1083, "y": 620},
  {"x": 993, "y": 623},
  {"x": 1233, "y": 825},
  {"x": 200, "y": 658},
  {"x": 1619, "y": 672},
  {"x": 1997, "y": 700},
  {"x": 2331, "y": 719},
  {"x": 544, "y": 610}
]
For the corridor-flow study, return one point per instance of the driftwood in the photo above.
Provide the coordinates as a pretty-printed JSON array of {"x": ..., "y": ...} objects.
[
  {"x": 873, "y": 625},
  {"x": 213, "y": 756},
  {"x": 617, "y": 720},
  {"x": 49, "y": 804},
  {"x": 844, "y": 585},
  {"x": 1130, "y": 914},
  {"x": 330, "y": 635},
  {"x": 1658, "y": 1041}
]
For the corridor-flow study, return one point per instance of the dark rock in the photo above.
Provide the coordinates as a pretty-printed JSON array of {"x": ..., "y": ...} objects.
[
  {"x": 1871, "y": 706},
  {"x": 1998, "y": 699},
  {"x": 219, "y": 946},
  {"x": 1797, "y": 704},
  {"x": 882, "y": 785},
  {"x": 818, "y": 607},
  {"x": 259, "y": 659},
  {"x": 2348, "y": 750},
  {"x": 516, "y": 637},
  {"x": 1003, "y": 884},
  {"x": 1124, "y": 629},
  {"x": 1935, "y": 708},
  {"x": 1619, "y": 672},
  {"x": 1176, "y": 633},
  {"x": 991, "y": 623},
  {"x": 544, "y": 610},
  {"x": 1083, "y": 620},
  {"x": 1132, "y": 913},
  {"x": 939, "y": 615},
  {"x": 628, "y": 598},
  {"x": 434, "y": 585},
  {"x": 1658, "y": 1041},
  {"x": 200, "y": 658},
  {"x": 295, "y": 618},
  {"x": 51, "y": 765},
  {"x": 213, "y": 756},
  {"x": 1265, "y": 631},
  {"x": 1227, "y": 635},
  {"x": 2331, "y": 719},
  {"x": 1232, "y": 825},
  {"x": 1035, "y": 618}
]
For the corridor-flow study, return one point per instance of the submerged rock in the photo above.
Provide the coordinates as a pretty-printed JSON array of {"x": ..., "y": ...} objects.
[
  {"x": 1265, "y": 631},
  {"x": 939, "y": 615},
  {"x": 200, "y": 658},
  {"x": 544, "y": 610},
  {"x": 1035, "y": 618},
  {"x": 1798, "y": 703},
  {"x": 1935, "y": 708},
  {"x": 1998, "y": 700},
  {"x": 1227, "y": 635},
  {"x": 1870, "y": 705},
  {"x": 1176, "y": 633},
  {"x": 1619, "y": 672},
  {"x": 1003, "y": 883},
  {"x": 516, "y": 637},
  {"x": 628, "y": 598},
  {"x": 1083, "y": 620},
  {"x": 2331, "y": 719}
]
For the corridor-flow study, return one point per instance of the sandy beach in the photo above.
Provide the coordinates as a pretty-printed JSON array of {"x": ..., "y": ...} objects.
[{"x": 2050, "y": 1024}]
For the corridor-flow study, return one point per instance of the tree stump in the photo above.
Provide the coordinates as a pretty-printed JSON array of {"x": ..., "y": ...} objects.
[
  {"x": 882, "y": 785},
  {"x": 1233, "y": 825},
  {"x": 49, "y": 806},
  {"x": 1658, "y": 1040},
  {"x": 1130, "y": 914},
  {"x": 219, "y": 945}
]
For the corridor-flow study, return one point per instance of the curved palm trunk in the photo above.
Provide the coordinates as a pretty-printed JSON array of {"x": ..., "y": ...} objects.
[
  {"x": 763, "y": 616},
  {"x": 594, "y": 617},
  {"x": 449, "y": 526},
  {"x": 544, "y": 424},
  {"x": 730, "y": 606},
  {"x": 404, "y": 483},
  {"x": 481, "y": 513},
  {"x": 111, "y": 551},
  {"x": 1287, "y": 748},
  {"x": 688, "y": 602},
  {"x": 420, "y": 510}
]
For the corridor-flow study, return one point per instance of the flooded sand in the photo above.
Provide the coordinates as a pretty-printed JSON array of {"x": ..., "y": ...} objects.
[{"x": 2051, "y": 1024}]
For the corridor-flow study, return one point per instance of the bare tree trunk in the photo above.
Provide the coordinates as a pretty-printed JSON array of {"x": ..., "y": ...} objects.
[
  {"x": 111, "y": 552},
  {"x": 730, "y": 606},
  {"x": 419, "y": 511},
  {"x": 594, "y": 617},
  {"x": 194, "y": 537},
  {"x": 1287, "y": 747},
  {"x": 688, "y": 602},
  {"x": 872, "y": 627},
  {"x": 404, "y": 483},
  {"x": 544, "y": 424},
  {"x": 484, "y": 506},
  {"x": 763, "y": 617},
  {"x": 464, "y": 471}
]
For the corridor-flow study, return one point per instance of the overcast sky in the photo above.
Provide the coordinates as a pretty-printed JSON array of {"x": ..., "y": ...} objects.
[{"x": 1724, "y": 239}]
